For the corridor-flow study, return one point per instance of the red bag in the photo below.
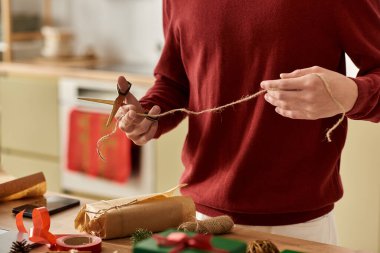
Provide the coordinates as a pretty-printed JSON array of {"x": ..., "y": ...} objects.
[{"x": 85, "y": 129}]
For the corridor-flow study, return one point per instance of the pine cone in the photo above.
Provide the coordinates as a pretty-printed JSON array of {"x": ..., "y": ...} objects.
[
  {"x": 262, "y": 246},
  {"x": 20, "y": 247}
]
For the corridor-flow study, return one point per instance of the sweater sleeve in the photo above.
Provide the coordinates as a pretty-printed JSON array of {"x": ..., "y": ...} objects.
[
  {"x": 171, "y": 89},
  {"x": 359, "y": 30}
]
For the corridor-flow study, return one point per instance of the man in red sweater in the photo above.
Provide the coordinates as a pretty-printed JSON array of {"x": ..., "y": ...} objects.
[{"x": 265, "y": 162}]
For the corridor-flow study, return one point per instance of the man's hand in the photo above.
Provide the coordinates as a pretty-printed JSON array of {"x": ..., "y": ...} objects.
[
  {"x": 137, "y": 128},
  {"x": 302, "y": 95}
]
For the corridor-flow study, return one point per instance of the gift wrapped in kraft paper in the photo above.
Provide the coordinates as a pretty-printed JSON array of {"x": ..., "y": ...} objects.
[
  {"x": 121, "y": 217},
  {"x": 11, "y": 188}
]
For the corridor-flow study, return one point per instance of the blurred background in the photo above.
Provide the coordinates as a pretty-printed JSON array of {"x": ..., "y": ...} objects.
[{"x": 54, "y": 51}]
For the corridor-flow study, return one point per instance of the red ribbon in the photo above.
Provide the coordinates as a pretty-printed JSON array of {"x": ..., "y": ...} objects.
[
  {"x": 181, "y": 241},
  {"x": 39, "y": 233}
]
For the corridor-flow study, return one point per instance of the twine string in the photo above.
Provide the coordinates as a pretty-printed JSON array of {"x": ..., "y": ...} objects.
[
  {"x": 222, "y": 107},
  {"x": 215, "y": 109},
  {"x": 104, "y": 138},
  {"x": 337, "y": 103},
  {"x": 184, "y": 110},
  {"x": 104, "y": 210}
]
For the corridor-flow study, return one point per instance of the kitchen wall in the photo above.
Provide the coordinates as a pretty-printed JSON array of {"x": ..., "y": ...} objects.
[{"x": 121, "y": 31}]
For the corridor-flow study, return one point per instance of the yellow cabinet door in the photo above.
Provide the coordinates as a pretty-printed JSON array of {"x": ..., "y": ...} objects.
[
  {"x": 29, "y": 115},
  {"x": 168, "y": 157},
  {"x": 358, "y": 213}
]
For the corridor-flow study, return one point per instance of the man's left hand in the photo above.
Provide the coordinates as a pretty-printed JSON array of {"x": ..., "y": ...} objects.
[{"x": 302, "y": 95}]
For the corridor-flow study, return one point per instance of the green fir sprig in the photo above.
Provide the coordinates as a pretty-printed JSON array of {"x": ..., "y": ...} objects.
[{"x": 140, "y": 234}]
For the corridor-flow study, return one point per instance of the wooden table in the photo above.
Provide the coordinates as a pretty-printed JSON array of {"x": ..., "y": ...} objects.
[{"x": 63, "y": 223}]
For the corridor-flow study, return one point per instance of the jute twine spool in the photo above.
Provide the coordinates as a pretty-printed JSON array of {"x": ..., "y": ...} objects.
[
  {"x": 262, "y": 246},
  {"x": 216, "y": 225}
]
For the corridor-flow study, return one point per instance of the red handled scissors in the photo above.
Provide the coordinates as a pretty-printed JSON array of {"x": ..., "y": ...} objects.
[{"x": 117, "y": 103}]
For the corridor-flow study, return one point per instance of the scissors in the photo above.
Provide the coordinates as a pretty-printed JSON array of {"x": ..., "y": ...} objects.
[{"x": 116, "y": 104}]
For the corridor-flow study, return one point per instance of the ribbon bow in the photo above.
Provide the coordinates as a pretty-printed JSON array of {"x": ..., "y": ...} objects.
[
  {"x": 39, "y": 233},
  {"x": 181, "y": 241}
]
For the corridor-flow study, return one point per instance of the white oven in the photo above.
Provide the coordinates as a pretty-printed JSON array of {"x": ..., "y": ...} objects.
[{"x": 140, "y": 179}]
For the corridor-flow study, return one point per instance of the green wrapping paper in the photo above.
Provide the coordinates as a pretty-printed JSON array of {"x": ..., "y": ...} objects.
[{"x": 219, "y": 243}]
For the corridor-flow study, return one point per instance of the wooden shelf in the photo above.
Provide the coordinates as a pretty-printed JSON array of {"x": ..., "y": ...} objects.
[
  {"x": 7, "y": 32},
  {"x": 23, "y": 36}
]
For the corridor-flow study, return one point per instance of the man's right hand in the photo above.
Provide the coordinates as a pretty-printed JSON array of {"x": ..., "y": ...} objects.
[{"x": 138, "y": 129}]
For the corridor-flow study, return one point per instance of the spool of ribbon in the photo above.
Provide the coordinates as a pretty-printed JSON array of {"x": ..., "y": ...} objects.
[
  {"x": 39, "y": 233},
  {"x": 80, "y": 243},
  {"x": 180, "y": 241}
]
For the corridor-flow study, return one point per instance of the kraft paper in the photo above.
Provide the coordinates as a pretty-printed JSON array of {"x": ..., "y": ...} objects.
[
  {"x": 121, "y": 217},
  {"x": 16, "y": 188}
]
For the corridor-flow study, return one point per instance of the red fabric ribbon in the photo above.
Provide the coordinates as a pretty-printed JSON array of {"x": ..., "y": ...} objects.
[
  {"x": 180, "y": 241},
  {"x": 39, "y": 233}
]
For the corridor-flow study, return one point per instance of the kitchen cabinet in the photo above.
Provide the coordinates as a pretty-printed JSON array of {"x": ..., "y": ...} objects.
[
  {"x": 358, "y": 212},
  {"x": 168, "y": 153},
  {"x": 29, "y": 125},
  {"x": 19, "y": 165}
]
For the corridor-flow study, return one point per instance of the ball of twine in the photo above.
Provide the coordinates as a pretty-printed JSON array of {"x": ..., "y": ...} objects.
[
  {"x": 216, "y": 225},
  {"x": 262, "y": 246}
]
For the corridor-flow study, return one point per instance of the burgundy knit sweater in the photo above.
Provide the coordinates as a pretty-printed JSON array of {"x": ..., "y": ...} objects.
[{"x": 248, "y": 161}]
